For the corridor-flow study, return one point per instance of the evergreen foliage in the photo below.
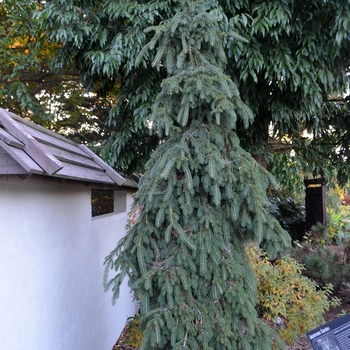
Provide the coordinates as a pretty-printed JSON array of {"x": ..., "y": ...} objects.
[
  {"x": 294, "y": 64},
  {"x": 322, "y": 264},
  {"x": 201, "y": 198}
]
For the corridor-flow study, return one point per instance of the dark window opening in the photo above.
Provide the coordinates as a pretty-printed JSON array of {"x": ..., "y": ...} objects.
[{"x": 102, "y": 202}]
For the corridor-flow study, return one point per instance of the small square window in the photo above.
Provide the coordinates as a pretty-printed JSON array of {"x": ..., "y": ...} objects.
[{"x": 102, "y": 202}]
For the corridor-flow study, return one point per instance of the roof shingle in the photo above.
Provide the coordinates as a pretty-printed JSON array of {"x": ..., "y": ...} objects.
[{"x": 27, "y": 148}]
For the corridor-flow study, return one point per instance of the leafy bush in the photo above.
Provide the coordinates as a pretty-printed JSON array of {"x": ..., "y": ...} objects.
[
  {"x": 287, "y": 297},
  {"x": 339, "y": 225},
  {"x": 338, "y": 215}
]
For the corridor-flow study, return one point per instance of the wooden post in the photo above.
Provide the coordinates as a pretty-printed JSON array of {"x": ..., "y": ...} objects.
[{"x": 315, "y": 202}]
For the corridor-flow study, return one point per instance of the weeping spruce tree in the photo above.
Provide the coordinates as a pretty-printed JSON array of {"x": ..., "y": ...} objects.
[{"x": 201, "y": 198}]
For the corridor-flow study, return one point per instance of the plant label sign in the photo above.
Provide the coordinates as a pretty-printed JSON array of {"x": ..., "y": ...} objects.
[{"x": 334, "y": 335}]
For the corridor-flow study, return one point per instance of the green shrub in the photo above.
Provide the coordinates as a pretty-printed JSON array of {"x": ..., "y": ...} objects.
[
  {"x": 322, "y": 264},
  {"x": 287, "y": 297}
]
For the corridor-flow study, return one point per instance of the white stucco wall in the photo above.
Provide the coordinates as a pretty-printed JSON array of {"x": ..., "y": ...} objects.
[{"x": 51, "y": 268}]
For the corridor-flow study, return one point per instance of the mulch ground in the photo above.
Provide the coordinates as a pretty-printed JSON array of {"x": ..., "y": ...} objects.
[{"x": 122, "y": 343}]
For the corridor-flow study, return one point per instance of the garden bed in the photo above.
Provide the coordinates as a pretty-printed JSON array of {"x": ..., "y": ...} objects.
[{"x": 301, "y": 343}]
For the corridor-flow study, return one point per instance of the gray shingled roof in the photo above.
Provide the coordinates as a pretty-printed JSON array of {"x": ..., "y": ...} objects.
[{"x": 27, "y": 148}]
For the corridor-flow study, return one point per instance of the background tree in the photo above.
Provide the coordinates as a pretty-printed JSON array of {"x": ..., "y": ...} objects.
[
  {"x": 22, "y": 58},
  {"x": 103, "y": 38},
  {"x": 202, "y": 197},
  {"x": 289, "y": 73},
  {"x": 295, "y": 60},
  {"x": 31, "y": 87}
]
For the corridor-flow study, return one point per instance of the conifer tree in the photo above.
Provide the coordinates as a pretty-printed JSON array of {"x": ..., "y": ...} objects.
[{"x": 201, "y": 198}]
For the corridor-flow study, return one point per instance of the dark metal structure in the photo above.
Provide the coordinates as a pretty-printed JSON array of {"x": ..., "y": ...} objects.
[{"x": 315, "y": 202}]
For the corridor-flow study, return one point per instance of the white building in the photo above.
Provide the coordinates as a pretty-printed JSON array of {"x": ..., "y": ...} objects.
[{"x": 51, "y": 248}]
